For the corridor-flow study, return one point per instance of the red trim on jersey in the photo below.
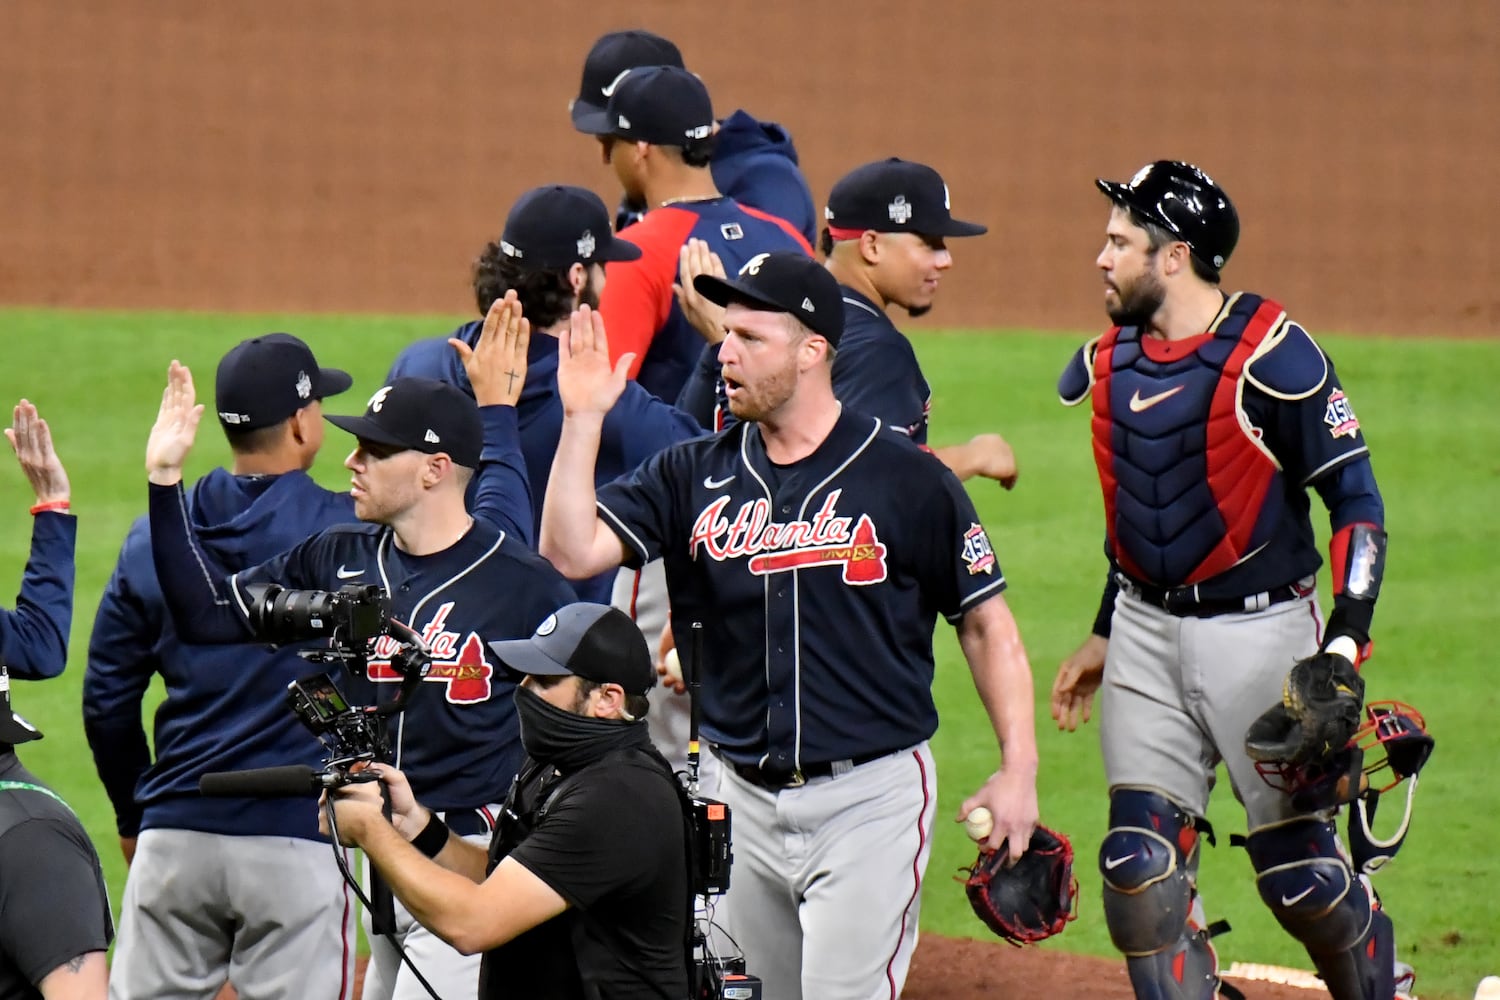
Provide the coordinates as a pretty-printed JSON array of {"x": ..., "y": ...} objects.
[
  {"x": 786, "y": 226},
  {"x": 1103, "y": 454},
  {"x": 1239, "y": 474},
  {"x": 1162, "y": 351},
  {"x": 916, "y": 874},
  {"x": 637, "y": 295}
]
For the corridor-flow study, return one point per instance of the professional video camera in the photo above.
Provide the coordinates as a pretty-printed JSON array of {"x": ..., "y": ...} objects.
[
  {"x": 351, "y": 618},
  {"x": 714, "y": 976}
]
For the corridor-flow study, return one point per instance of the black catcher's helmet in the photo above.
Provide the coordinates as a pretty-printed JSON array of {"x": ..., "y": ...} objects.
[{"x": 1185, "y": 202}]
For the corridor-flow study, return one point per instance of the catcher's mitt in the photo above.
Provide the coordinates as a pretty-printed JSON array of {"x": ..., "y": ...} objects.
[
  {"x": 1318, "y": 714},
  {"x": 1031, "y": 900}
]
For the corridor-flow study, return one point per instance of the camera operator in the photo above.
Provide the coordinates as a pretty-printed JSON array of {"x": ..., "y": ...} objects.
[
  {"x": 459, "y": 581},
  {"x": 181, "y": 935},
  {"x": 584, "y": 891},
  {"x": 54, "y": 910}
]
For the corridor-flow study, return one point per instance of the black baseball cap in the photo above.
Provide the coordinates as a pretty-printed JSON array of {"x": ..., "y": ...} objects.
[
  {"x": 557, "y": 226},
  {"x": 662, "y": 105},
  {"x": 593, "y": 641},
  {"x": 264, "y": 380},
  {"x": 13, "y": 728},
  {"x": 785, "y": 282},
  {"x": 894, "y": 196},
  {"x": 421, "y": 414},
  {"x": 612, "y": 55}
]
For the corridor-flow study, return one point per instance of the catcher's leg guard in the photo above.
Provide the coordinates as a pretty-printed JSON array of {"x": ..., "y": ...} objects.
[
  {"x": 1306, "y": 880},
  {"x": 1149, "y": 860}
]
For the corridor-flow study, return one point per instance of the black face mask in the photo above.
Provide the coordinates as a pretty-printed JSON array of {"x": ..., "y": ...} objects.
[{"x": 568, "y": 741}]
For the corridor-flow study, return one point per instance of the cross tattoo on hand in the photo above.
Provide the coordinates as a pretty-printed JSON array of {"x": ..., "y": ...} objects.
[{"x": 512, "y": 383}]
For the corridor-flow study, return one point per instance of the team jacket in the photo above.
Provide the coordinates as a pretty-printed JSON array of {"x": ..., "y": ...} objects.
[
  {"x": 34, "y": 637},
  {"x": 458, "y": 740},
  {"x": 640, "y": 310},
  {"x": 225, "y": 707},
  {"x": 637, "y": 427},
  {"x": 1206, "y": 447},
  {"x": 755, "y": 163},
  {"x": 818, "y": 584}
]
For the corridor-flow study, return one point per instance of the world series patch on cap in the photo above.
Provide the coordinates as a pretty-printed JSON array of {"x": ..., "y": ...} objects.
[
  {"x": 559, "y": 225},
  {"x": 785, "y": 282},
  {"x": 894, "y": 196}
]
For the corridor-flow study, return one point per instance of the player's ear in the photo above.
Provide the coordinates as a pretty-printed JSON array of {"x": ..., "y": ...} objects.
[
  {"x": 436, "y": 469},
  {"x": 578, "y": 278},
  {"x": 870, "y": 246}
]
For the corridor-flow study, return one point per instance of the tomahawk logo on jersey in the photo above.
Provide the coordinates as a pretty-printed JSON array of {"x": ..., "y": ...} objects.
[
  {"x": 458, "y": 661},
  {"x": 782, "y": 563}
]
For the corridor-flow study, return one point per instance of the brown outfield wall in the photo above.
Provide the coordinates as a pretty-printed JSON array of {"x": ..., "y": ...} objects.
[{"x": 344, "y": 155}]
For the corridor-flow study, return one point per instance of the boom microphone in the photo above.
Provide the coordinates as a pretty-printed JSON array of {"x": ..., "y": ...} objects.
[{"x": 287, "y": 781}]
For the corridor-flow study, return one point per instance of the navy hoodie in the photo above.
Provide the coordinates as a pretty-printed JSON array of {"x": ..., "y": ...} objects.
[
  {"x": 755, "y": 163},
  {"x": 225, "y": 706}
]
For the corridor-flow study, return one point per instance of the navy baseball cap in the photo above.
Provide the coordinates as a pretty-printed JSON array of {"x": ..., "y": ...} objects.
[
  {"x": 555, "y": 227},
  {"x": 593, "y": 641},
  {"x": 662, "y": 105},
  {"x": 894, "y": 196},
  {"x": 612, "y": 55},
  {"x": 264, "y": 380},
  {"x": 13, "y": 728},
  {"x": 421, "y": 414},
  {"x": 785, "y": 282}
]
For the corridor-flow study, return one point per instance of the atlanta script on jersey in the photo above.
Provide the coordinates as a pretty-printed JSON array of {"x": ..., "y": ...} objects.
[{"x": 868, "y": 537}]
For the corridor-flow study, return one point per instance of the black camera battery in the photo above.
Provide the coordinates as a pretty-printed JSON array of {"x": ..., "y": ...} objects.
[{"x": 712, "y": 852}]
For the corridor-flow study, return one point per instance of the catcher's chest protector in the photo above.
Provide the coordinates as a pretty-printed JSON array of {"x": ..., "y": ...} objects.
[{"x": 1186, "y": 481}]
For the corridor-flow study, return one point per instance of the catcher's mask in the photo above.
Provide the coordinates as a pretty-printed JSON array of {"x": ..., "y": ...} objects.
[{"x": 1391, "y": 746}]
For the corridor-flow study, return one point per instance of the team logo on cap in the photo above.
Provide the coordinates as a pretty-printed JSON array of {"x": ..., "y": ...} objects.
[
  {"x": 378, "y": 400},
  {"x": 752, "y": 266},
  {"x": 900, "y": 210},
  {"x": 586, "y": 244},
  {"x": 304, "y": 385}
]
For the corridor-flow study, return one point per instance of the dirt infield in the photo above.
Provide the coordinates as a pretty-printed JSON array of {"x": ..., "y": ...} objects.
[
  {"x": 355, "y": 154},
  {"x": 952, "y": 969}
]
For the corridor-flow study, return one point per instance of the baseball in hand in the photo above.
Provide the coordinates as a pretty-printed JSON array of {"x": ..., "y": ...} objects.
[
  {"x": 673, "y": 666},
  {"x": 979, "y": 823}
]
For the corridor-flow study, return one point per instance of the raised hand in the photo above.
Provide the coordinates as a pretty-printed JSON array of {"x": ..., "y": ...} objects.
[
  {"x": 31, "y": 440},
  {"x": 176, "y": 427},
  {"x": 586, "y": 383},
  {"x": 496, "y": 364},
  {"x": 694, "y": 259}
]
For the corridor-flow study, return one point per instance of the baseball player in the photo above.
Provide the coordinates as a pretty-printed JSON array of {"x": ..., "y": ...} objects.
[
  {"x": 457, "y": 579},
  {"x": 753, "y": 162},
  {"x": 816, "y": 547},
  {"x": 886, "y": 243},
  {"x": 198, "y": 907},
  {"x": 553, "y": 255},
  {"x": 1213, "y": 413},
  {"x": 34, "y": 636},
  {"x": 658, "y": 134}
]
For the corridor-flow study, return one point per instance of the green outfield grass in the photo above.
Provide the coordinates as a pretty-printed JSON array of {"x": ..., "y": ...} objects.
[{"x": 1426, "y": 407}]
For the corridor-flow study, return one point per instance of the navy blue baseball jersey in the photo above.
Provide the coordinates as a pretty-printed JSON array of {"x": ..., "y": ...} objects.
[
  {"x": 1206, "y": 447},
  {"x": 818, "y": 584},
  {"x": 876, "y": 369}
]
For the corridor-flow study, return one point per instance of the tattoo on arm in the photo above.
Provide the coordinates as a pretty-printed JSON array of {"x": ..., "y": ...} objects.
[{"x": 75, "y": 963}]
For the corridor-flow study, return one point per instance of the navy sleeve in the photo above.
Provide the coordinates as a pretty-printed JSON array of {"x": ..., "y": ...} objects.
[
  {"x": 956, "y": 565},
  {"x": 1351, "y": 495},
  {"x": 1314, "y": 435},
  {"x": 199, "y": 597},
  {"x": 699, "y": 398},
  {"x": 52, "y": 906},
  {"x": 502, "y": 493},
  {"x": 884, "y": 381},
  {"x": 121, "y": 662},
  {"x": 34, "y": 637},
  {"x": 640, "y": 426},
  {"x": 643, "y": 508}
]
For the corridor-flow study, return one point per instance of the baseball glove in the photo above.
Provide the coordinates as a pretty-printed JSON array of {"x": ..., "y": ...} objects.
[
  {"x": 1031, "y": 900},
  {"x": 1318, "y": 715}
]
